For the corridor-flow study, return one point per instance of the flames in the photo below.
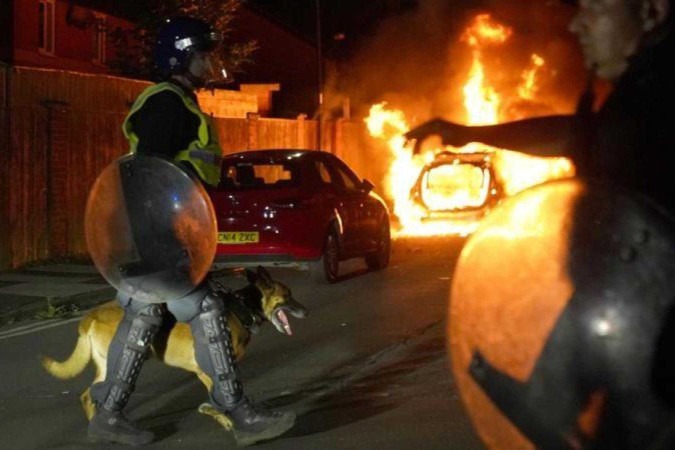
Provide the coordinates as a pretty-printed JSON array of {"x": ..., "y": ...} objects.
[
  {"x": 527, "y": 89},
  {"x": 454, "y": 188},
  {"x": 480, "y": 99}
]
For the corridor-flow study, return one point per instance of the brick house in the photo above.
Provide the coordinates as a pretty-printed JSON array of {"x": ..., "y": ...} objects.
[
  {"x": 74, "y": 35},
  {"x": 58, "y": 34}
]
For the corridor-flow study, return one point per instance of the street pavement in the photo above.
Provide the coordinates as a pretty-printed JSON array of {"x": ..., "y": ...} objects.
[{"x": 50, "y": 290}]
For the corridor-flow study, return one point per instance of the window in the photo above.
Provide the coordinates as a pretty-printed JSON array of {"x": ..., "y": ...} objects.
[
  {"x": 100, "y": 29},
  {"x": 263, "y": 174},
  {"x": 453, "y": 186},
  {"x": 348, "y": 181},
  {"x": 324, "y": 173},
  {"x": 46, "y": 27}
]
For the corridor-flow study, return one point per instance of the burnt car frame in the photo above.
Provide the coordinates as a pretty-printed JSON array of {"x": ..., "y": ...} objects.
[{"x": 469, "y": 177}]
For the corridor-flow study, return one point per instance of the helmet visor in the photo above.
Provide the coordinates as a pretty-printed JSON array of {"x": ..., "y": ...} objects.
[
  {"x": 207, "y": 69},
  {"x": 220, "y": 76}
]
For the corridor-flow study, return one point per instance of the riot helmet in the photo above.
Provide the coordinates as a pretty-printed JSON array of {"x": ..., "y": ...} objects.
[{"x": 179, "y": 40}]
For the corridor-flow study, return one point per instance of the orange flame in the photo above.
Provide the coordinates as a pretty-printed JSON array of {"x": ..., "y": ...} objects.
[
  {"x": 480, "y": 100},
  {"x": 527, "y": 90},
  {"x": 461, "y": 185},
  {"x": 390, "y": 125}
]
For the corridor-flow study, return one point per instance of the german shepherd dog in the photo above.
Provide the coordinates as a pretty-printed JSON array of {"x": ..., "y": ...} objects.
[{"x": 264, "y": 298}]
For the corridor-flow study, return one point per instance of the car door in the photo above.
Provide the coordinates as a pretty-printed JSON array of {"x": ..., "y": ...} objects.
[
  {"x": 353, "y": 202},
  {"x": 332, "y": 194}
]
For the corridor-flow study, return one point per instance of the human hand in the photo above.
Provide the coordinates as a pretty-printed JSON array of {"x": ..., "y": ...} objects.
[{"x": 448, "y": 131}]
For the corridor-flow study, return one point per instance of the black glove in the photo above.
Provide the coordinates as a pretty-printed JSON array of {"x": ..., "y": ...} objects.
[{"x": 448, "y": 131}]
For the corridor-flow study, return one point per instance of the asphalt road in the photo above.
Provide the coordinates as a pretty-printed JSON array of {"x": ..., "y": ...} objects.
[{"x": 367, "y": 369}]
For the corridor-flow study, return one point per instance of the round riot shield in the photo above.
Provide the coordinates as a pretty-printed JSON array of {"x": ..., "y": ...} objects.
[
  {"x": 562, "y": 321},
  {"x": 150, "y": 228}
]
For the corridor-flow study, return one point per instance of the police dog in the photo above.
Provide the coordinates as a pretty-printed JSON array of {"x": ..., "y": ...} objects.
[{"x": 263, "y": 298}]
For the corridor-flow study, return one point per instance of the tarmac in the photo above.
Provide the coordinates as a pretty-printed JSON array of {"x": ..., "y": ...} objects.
[{"x": 51, "y": 290}]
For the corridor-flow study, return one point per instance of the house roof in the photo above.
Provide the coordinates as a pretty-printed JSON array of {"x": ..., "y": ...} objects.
[{"x": 131, "y": 10}]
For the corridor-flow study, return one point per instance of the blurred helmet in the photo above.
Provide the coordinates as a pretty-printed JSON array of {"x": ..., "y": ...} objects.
[{"x": 177, "y": 39}]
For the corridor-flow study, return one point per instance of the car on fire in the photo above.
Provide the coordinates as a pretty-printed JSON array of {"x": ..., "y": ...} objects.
[
  {"x": 298, "y": 207},
  {"x": 461, "y": 187}
]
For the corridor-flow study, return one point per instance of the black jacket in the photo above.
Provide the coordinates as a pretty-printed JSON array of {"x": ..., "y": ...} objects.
[
  {"x": 164, "y": 125},
  {"x": 633, "y": 136}
]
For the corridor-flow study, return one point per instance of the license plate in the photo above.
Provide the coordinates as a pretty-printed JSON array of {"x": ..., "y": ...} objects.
[{"x": 238, "y": 237}]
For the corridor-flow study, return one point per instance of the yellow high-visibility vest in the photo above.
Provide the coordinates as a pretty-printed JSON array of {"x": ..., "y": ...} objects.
[{"x": 203, "y": 153}]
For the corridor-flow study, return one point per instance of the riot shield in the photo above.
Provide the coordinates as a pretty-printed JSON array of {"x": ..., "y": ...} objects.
[
  {"x": 150, "y": 228},
  {"x": 562, "y": 320}
]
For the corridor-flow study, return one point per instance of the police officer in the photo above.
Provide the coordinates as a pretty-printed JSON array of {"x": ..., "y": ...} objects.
[
  {"x": 629, "y": 43},
  {"x": 166, "y": 121}
]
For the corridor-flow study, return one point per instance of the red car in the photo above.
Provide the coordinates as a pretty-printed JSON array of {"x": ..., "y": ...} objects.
[{"x": 298, "y": 206}]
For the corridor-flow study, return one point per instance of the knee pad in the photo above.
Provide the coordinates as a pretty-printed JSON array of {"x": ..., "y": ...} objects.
[{"x": 186, "y": 308}]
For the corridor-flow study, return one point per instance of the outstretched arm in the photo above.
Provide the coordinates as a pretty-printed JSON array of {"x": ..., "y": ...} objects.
[{"x": 542, "y": 136}]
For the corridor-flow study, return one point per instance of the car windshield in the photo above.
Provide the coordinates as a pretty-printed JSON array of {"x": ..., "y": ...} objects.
[
  {"x": 258, "y": 174},
  {"x": 451, "y": 186}
]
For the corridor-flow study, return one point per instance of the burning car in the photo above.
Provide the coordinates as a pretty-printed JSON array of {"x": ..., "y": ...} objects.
[
  {"x": 457, "y": 187},
  {"x": 461, "y": 187}
]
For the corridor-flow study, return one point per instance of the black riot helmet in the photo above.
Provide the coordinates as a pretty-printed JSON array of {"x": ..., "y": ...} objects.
[{"x": 178, "y": 39}]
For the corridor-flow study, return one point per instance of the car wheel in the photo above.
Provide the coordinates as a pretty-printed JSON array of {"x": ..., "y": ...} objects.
[
  {"x": 379, "y": 259},
  {"x": 326, "y": 269}
]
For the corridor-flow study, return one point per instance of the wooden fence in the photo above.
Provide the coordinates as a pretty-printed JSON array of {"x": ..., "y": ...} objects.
[{"x": 51, "y": 154}]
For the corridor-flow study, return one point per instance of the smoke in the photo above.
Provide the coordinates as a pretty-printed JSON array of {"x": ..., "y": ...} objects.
[{"x": 417, "y": 63}]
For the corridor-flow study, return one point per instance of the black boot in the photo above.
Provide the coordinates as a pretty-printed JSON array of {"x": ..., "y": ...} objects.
[
  {"x": 128, "y": 350},
  {"x": 252, "y": 424},
  {"x": 113, "y": 426},
  {"x": 215, "y": 356}
]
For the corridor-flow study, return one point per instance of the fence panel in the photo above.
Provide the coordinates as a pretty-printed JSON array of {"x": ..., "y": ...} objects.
[
  {"x": 232, "y": 134},
  {"x": 31, "y": 86},
  {"x": 95, "y": 141},
  {"x": 311, "y": 134},
  {"x": 5, "y": 254},
  {"x": 27, "y": 175},
  {"x": 277, "y": 133}
]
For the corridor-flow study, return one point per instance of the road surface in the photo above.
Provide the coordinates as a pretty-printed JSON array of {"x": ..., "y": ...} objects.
[{"x": 367, "y": 369}]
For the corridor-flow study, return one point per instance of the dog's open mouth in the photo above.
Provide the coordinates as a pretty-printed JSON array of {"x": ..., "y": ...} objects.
[
  {"x": 280, "y": 321},
  {"x": 279, "y": 316}
]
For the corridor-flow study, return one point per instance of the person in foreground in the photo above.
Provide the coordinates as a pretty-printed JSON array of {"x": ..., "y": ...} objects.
[
  {"x": 629, "y": 43},
  {"x": 567, "y": 345},
  {"x": 166, "y": 121}
]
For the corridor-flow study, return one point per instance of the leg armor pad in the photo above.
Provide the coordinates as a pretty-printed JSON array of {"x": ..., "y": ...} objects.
[
  {"x": 214, "y": 352},
  {"x": 143, "y": 329}
]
